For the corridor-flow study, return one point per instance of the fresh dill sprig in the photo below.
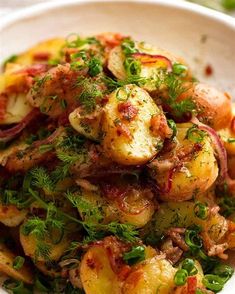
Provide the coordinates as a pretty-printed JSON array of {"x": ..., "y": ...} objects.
[
  {"x": 175, "y": 88},
  {"x": 91, "y": 92},
  {"x": 89, "y": 212},
  {"x": 113, "y": 84},
  {"x": 41, "y": 179}
]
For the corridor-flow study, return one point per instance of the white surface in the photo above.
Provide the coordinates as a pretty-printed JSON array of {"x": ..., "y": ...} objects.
[{"x": 176, "y": 26}]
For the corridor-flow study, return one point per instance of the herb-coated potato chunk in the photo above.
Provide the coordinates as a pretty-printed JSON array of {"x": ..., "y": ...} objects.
[
  {"x": 136, "y": 208},
  {"x": 154, "y": 275},
  {"x": 6, "y": 266},
  {"x": 88, "y": 125},
  {"x": 127, "y": 123},
  {"x": 197, "y": 169},
  {"x": 96, "y": 273},
  {"x": 182, "y": 214},
  {"x": 29, "y": 245}
]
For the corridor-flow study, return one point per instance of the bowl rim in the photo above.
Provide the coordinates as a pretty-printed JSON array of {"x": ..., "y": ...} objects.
[{"x": 182, "y": 5}]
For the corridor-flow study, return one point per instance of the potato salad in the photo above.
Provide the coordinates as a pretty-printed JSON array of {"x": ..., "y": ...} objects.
[{"x": 117, "y": 171}]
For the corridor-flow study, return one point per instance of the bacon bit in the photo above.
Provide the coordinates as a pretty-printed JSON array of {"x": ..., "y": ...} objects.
[
  {"x": 41, "y": 56},
  {"x": 123, "y": 130},
  {"x": 232, "y": 126},
  {"x": 192, "y": 284},
  {"x": 173, "y": 253},
  {"x": 208, "y": 70},
  {"x": 214, "y": 210},
  {"x": 159, "y": 126},
  {"x": 218, "y": 250},
  {"x": 34, "y": 70},
  {"x": 127, "y": 110},
  {"x": 111, "y": 40},
  {"x": 176, "y": 236},
  {"x": 3, "y": 105}
]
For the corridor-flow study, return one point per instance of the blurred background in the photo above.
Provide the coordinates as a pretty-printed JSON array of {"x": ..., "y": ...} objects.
[{"x": 8, "y": 6}]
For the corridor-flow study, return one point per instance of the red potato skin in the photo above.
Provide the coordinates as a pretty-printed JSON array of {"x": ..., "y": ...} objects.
[{"x": 213, "y": 106}]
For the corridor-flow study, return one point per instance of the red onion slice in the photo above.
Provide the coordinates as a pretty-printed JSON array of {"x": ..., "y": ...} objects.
[
  {"x": 220, "y": 150},
  {"x": 151, "y": 58},
  {"x": 8, "y": 134}
]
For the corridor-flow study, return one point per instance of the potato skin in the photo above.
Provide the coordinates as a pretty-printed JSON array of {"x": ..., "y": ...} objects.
[
  {"x": 130, "y": 142},
  {"x": 197, "y": 174},
  {"x": 213, "y": 106}
]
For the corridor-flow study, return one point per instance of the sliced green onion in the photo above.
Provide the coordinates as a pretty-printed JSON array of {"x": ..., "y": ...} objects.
[
  {"x": 180, "y": 277},
  {"x": 228, "y": 4},
  {"x": 193, "y": 240},
  {"x": 136, "y": 254},
  {"x": 18, "y": 262},
  {"x": 45, "y": 148},
  {"x": 16, "y": 287},
  {"x": 179, "y": 69},
  {"x": 128, "y": 47},
  {"x": 189, "y": 265},
  {"x": 231, "y": 140},
  {"x": 132, "y": 66},
  {"x": 223, "y": 271},
  {"x": 172, "y": 125},
  {"x": 201, "y": 210},
  {"x": 95, "y": 66},
  {"x": 213, "y": 282}
]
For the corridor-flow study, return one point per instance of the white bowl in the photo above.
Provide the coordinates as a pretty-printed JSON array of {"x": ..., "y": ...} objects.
[{"x": 201, "y": 36}]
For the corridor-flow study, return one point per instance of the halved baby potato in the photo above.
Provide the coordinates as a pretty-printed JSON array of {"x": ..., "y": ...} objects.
[
  {"x": 196, "y": 174},
  {"x": 6, "y": 266},
  {"x": 159, "y": 59},
  {"x": 127, "y": 135}
]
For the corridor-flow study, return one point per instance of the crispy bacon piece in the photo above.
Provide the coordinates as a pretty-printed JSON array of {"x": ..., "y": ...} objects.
[
  {"x": 41, "y": 56},
  {"x": 34, "y": 69},
  {"x": 159, "y": 126},
  {"x": 122, "y": 130},
  {"x": 127, "y": 110}
]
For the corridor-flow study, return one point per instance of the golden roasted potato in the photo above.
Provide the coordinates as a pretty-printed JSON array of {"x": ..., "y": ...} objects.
[
  {"x": 154, "y": 275},
  {"x": 97, "y": 275},
  {"x": 88, "y": 125},
  {"x": 197, "y": 170},
  {"x": 136, "y": 208},
  {"x": 29, "y": 245},
  {"x": 6, "y": 266},
  {"x": 127, "y": 123},
  {"x": 44, "y": 51},
  {"x": 11, "y": 216},
  {"x": 182, "y": 214}
]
